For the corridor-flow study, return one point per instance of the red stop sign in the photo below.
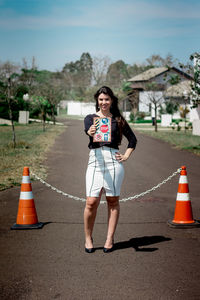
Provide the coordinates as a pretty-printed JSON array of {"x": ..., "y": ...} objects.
[{"x": 104, "y": 128}]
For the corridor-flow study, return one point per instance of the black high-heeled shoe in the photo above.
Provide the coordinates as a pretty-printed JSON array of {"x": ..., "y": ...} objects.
[
  {"x": 89, "y": 250},
  {"x": 108, "y": 250}
]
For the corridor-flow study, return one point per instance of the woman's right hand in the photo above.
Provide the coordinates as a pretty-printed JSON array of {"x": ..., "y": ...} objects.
[{"x": 92, "y": 130}]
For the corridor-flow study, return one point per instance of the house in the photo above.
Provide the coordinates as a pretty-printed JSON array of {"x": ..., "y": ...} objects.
[{"x": 164, "y": 77}]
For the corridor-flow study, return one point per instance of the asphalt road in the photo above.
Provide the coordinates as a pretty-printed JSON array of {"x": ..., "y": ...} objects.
[{"x": 151, "y": 260}]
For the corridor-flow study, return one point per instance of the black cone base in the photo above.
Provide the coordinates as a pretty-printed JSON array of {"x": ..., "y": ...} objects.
[
  {"x": 38, "y": 225},
  {"x": 178, "y": 225}
]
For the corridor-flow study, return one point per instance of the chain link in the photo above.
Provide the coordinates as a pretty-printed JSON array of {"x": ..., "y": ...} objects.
[
  {"x": 121, "y": 200},
  {"x": 153, "y": 188},
  {"x": 57, "y": 190}
]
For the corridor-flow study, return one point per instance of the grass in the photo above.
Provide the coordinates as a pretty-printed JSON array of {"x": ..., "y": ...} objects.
[
  {"x": 178, "y": 139},
  {"x": 31, "y": 149}
]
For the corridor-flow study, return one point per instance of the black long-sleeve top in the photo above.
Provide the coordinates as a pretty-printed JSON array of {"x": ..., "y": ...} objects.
[{"x": 115, "y": 134}]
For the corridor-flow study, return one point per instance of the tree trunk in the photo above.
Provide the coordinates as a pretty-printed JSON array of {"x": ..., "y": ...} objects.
[
  {"x": 44, "y": 119},
  {"x": 53, "y": 115},
  {"x": 134, "y": 100},
  {"x": 14, "y": 135},
  {"x": 156, "y": 127},
  {"x": 12, "y": 121}
]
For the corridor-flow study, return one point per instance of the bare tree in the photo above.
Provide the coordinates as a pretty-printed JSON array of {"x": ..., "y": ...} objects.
[
  {"x": 155, "y": 60},
  {"x": 53, "y": 93},
  {"x": 158, "y": 61},
  {"x": 155, "y": 96},
  {"x": 99, "y": 70},
  {"x": 28, "y": 74}
]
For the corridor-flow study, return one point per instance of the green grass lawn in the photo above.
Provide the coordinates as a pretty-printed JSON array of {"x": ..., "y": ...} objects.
[
  {"x": 178, "y": 139},
  {"x": 33, "y": 144},
  {"x": 31, "y": 149}
]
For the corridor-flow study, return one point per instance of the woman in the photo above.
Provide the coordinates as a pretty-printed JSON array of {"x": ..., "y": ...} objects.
[{"x": 105, "y": 170}]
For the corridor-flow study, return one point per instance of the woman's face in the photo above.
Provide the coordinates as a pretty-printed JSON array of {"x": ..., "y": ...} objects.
[{"x": 104, "y": 102}]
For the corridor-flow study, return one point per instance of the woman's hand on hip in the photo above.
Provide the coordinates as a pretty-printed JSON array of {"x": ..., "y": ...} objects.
[
  {"x": 92, "y": 130},
  {"x": 121, "y": 157}
]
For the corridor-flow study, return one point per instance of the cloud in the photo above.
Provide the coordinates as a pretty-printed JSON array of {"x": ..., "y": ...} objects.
[
  {"x": 154, "y": 9},
  {"x": 111, "y": 15}
]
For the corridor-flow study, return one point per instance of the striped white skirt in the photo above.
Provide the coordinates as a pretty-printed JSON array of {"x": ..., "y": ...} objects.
[{"x": 104, "y": 172}]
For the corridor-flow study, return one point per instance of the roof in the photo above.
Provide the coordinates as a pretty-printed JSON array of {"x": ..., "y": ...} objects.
[
  {"x": 153, "y": 72},
  {"x": 179, "y": 89},
  {"x": 149, "y": 74}
]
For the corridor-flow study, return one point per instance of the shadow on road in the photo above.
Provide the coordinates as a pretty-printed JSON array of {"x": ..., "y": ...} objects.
[{"x": 137, "y": 243}]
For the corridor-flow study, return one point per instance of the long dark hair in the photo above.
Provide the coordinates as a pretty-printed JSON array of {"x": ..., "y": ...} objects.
[{"x": 114, "y": 109}]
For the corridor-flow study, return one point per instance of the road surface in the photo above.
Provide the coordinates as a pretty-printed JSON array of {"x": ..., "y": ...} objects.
[{"x": 151, "y": 260}]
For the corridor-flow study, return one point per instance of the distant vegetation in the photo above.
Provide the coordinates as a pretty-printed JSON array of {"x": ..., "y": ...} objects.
[
  {"x": 25, "y": 87},
  {"x": 76, "y": 81}
]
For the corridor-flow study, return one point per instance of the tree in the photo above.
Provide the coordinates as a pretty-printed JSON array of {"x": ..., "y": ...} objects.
[
  {"x": 136, "y": 69},
  {"x": 46, "y": 94},
  {"x": 117, "y": 72},
  {"x": 171, "y": 107},
  {"x": 9, "y": 75},
  {"x": 41, "y": 104},
  {"x": 86, "y": 69},
  {"x": 195, "y": 96},
  {"x": 28, "y": 74},
  {"x": 183, "y": 111},
  {"x": 78, "y": 75},
  {"x": 52, "y": 92},
  {"x": 156, "y": 60},
  {"x": 174, "y": 79},
  {"x": 100, "y": 69},
  {"x": 155, "y": 96},
  {"x": 38, "y": 85},
  {"x": 131, "y": 95},
  {"x": 186, "y": 67}
]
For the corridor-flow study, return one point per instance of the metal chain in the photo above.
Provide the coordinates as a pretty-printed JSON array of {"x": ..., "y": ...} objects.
[
  {"x": 122, "y": 200},
  {"x": 57, "y": 190},
  {"x": 153, "y": 188}
]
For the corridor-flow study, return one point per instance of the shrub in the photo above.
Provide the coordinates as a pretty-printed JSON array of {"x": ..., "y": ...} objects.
[{"x": 131, "y": 117}]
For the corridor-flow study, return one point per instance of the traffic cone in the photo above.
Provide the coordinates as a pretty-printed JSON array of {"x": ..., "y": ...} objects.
[
  {"x": 183, "y": 217},
  {"x": 27, "y": 215}
]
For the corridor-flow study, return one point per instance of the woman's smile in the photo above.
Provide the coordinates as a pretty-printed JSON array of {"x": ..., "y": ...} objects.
[{"x": 104, "y": 102}]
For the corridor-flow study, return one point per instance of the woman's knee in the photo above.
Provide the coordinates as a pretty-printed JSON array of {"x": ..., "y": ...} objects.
[
  {"x": 92, "y": 203},
  {"x": 113, "y": 202}
]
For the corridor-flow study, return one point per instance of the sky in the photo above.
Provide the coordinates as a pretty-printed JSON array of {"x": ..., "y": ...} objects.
[{"x": 56, "y": 32}]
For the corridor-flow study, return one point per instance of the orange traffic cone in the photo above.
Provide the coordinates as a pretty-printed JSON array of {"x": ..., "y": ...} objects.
[
  {"x": 183, "y": 217},
  {"x": 27, "y": 215}
]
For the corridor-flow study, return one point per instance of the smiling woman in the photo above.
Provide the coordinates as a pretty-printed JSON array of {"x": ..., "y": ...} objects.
[{"x": 105, "y": 170}]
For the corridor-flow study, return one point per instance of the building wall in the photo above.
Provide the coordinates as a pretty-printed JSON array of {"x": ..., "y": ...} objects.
[
  {"x": 195, "y": 114},
  {"x": 163, "y": 78},
  {"x": 63, "y": 104},
  {"x": 80, "y": 108}
]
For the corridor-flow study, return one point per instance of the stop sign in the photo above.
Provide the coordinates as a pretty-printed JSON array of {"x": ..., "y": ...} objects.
[{"x": 104, "y": 128}]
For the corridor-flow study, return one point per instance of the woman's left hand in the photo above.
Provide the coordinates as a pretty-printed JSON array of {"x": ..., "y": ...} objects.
[{"x": 120, "y": 157}]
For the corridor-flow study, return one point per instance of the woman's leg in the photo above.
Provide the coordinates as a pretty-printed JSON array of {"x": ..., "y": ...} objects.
[
  {"x": 90, "y": 212},
  {"x": 113, "y": 216}
]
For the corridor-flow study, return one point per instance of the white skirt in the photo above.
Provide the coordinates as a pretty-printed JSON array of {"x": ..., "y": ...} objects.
[{"x": 104, "y": 172}]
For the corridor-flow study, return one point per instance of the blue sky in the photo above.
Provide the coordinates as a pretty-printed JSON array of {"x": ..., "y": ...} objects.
[{"x": 59, "y": 31}]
